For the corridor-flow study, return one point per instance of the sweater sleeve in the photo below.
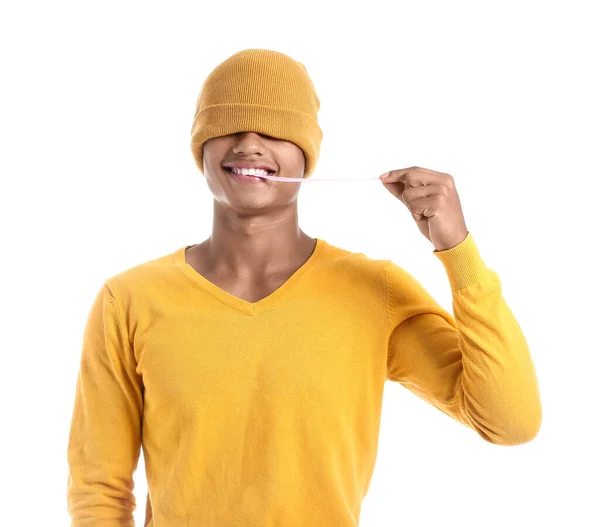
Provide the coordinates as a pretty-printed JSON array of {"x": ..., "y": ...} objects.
[
  {"x": 105, "y": 435},
  {"x": 476, "y": 367}
]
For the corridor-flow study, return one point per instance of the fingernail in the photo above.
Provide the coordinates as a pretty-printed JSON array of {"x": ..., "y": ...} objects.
[{"x": 385, "y": 175}]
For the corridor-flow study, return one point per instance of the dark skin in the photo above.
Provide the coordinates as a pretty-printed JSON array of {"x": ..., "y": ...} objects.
[{"x": 256, "y": 243}]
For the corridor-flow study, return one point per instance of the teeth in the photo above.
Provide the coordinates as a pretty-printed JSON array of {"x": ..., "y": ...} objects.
[{"x": 251, "y": 171}]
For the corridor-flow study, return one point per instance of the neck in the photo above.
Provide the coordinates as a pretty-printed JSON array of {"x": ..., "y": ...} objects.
[{"x": 255, "y": 246}]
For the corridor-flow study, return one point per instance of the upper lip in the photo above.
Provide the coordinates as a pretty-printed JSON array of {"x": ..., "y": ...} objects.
[{"x": 247, "y": 164}]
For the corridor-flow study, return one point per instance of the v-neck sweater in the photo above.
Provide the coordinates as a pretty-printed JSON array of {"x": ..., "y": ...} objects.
[{"x": 267, "y": 413}]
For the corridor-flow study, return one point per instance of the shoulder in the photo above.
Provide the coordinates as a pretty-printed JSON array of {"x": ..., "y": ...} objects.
[{"x": 145, "y": 276}]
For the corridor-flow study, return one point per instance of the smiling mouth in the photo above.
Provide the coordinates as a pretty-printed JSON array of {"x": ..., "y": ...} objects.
[{"x": 230, "y": 171}]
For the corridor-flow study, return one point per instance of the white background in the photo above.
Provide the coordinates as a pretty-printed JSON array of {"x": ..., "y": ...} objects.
[{"x": 96, "y": 108}]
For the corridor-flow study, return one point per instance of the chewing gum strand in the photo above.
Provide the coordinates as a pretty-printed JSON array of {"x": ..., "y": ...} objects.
[{"x": 291, "y": 179}]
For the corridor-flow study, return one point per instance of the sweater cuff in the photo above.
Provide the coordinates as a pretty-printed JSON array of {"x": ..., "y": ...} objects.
[{"x": 463, "y": 263}]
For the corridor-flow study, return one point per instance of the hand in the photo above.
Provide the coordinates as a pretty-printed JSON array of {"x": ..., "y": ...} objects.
[{"x": 433, "y": 202}]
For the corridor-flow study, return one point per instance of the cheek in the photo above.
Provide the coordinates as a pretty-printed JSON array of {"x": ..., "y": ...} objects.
[
  {"x": 215, "y": 148},
  {"x": 292, "y": 161}
]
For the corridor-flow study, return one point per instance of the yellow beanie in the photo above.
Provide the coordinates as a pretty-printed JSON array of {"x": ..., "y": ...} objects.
[{"x": 262, "y": 91}]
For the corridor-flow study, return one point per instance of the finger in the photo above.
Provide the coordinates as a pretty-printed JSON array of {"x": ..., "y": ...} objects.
[
  {"x": 401, "y": 171},
  {"x": 409, "y": 195},
  {"x": 425, "y": 207},
  {"x": 413, "y": 176},
  {"x": 413, "y": 193},
  {"x": 394, "y": 175},
  {"x": 398, "y": 185}
]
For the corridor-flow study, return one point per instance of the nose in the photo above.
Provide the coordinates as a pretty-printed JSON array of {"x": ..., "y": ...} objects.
[{"x": 248, "y": 141}]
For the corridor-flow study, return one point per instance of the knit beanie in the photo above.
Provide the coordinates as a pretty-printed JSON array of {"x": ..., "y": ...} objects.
[{"x": 262, "y": 91}]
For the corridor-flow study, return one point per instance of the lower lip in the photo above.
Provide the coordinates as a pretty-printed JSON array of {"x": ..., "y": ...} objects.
[{"x": 245, "y": 179}]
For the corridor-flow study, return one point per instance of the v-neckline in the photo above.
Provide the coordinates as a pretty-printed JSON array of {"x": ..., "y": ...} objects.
[{"x": 249, "y": 308}]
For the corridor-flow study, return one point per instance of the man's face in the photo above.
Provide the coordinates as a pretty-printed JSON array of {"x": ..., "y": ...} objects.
[{"x": 286, "y": 158}]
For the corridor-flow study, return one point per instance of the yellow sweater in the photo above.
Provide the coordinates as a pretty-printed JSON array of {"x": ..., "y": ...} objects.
[{"x": 267, "y": 413}]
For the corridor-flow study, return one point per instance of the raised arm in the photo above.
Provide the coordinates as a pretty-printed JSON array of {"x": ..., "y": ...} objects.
[{"x": 476, "y": 367}]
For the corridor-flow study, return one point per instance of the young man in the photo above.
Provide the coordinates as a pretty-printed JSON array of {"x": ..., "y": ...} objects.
[{"x": 250, "y": 367}]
